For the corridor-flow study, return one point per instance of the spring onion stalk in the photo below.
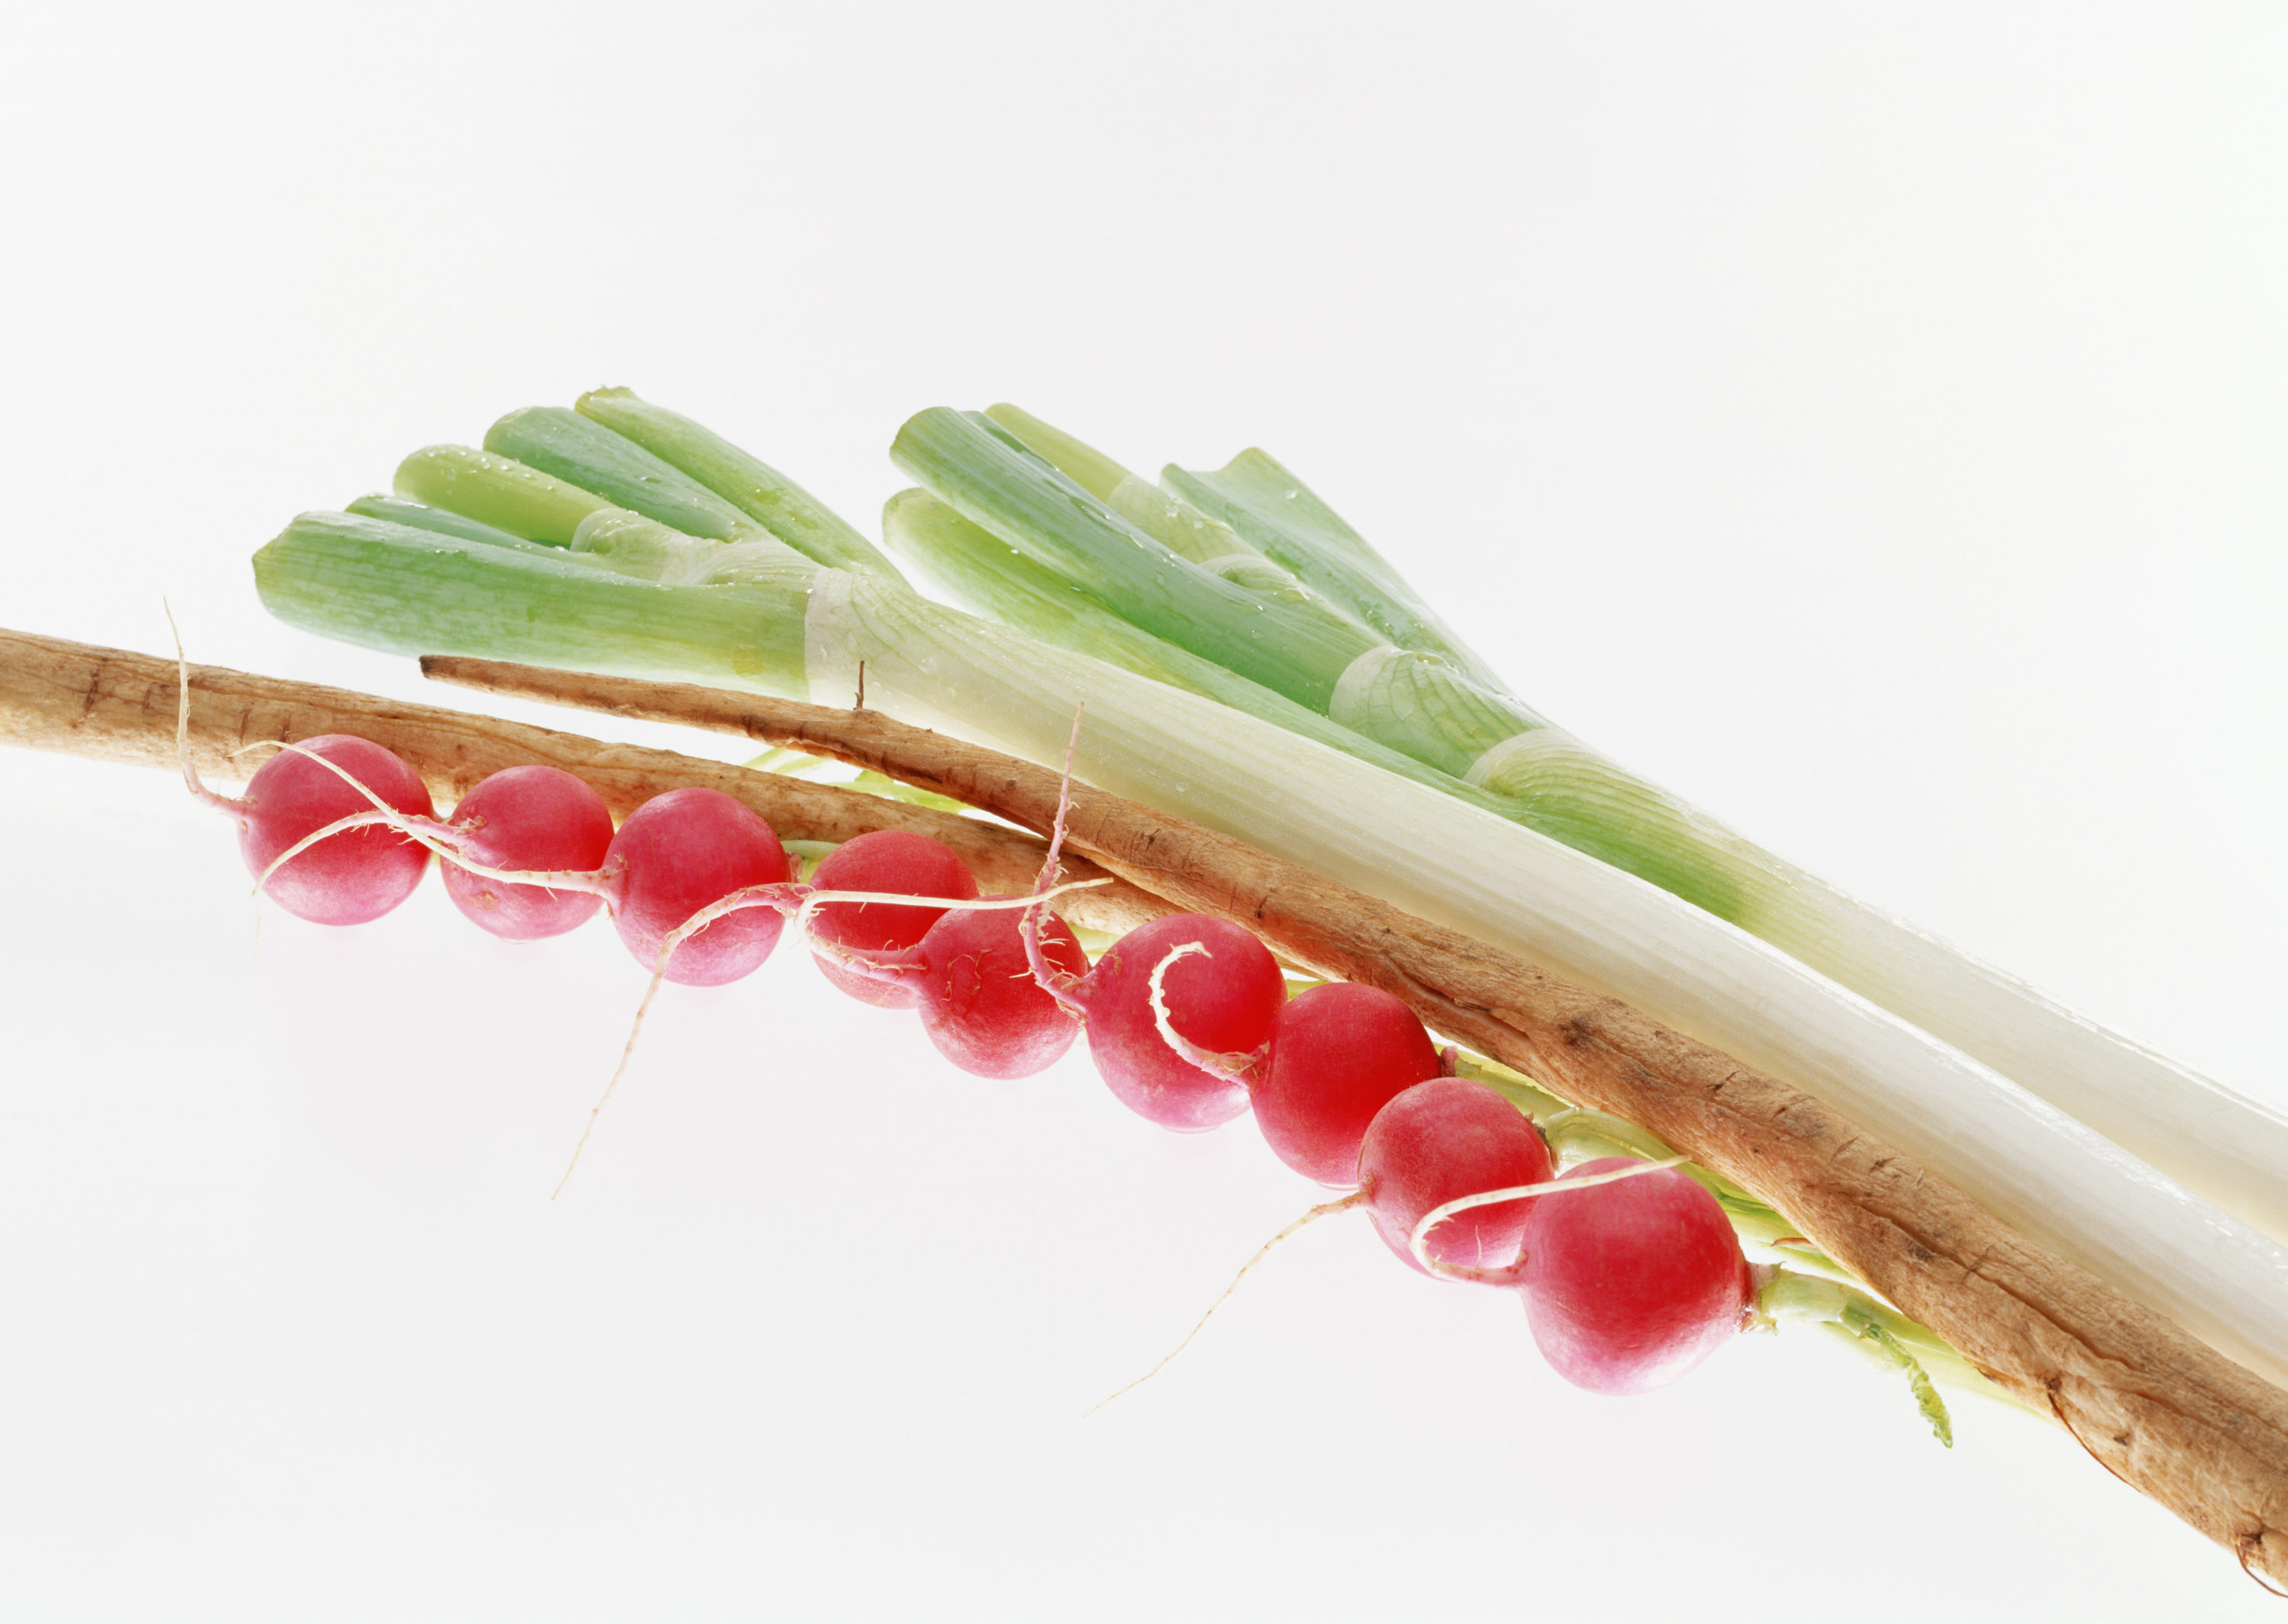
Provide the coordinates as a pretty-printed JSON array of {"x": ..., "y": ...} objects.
[
  {"x": 968, "y": 464},
  {"x": 417, "y": 590},
  {"x": 754, "y": 489},
  {"x": 806, "y": 632},
  {"x": 1305, "y": 538},
  {"x": 571, "y": 447},
  {"x": 2226, "y": 1147},
  {"x": 1407, "y": 703},
  {"x": 497, "y": 491},
  {"x": 2229, "y": 1149},
  {"x": 973, "y": 568},
  {"x": 574, "y": 454},
  {"x": 398, "y": 511},
  {"x": 1411, "y": 702},
  {"x": 1283, "y": 518},
  {"x": 1414, "y": 702}
]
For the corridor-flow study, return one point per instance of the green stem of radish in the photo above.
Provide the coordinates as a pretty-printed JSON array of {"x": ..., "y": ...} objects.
[{"x": 1788, "y": 1298}]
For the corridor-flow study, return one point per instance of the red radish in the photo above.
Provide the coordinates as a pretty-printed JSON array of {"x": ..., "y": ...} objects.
[
  {"x": 885, "y": 861},
  {"x": 357, "y": 874},
  {"x": 1630, "y": 1285},
  {"x": 1441, "y": 1139},
  {"x": 525, "y": 819},
  {"x": 347, "y": 878},
  {"x": 989, "y": 983},
  {"x": 977, "y": 996},
  {"x": 681, "y": 852},
  {"x": 1339, "y": 1054},
  {"x": 1221, "y": 997}
]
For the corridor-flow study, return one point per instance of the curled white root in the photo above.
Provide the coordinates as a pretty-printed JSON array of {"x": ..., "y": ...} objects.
[
  {"x": 1418, "y": 1242},
  {"x": 1207, "y": 1060}
]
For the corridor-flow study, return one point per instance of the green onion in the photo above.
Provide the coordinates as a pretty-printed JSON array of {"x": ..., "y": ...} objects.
[
  {"x": 566, "y": 445},
  {"x": 496, "y": 491},
  {"x": 968, "y": 464},
  {"x": 756, "y": 489},
  {"x": 1411, "y": 696},
  {"x": 398, "y": 511},
  {"x": 420, "y": 590},
  {"x": 1283, "y": 518},
  {"x": 977, "y": 569}
]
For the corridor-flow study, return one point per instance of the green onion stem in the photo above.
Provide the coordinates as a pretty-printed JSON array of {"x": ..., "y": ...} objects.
[
  {"x": 754, "y": 487},
  {"x": 967, "y": 463},
  {"x": 572, "y": 448},
  {"x": 2219, "y": 1143},
  {"x": 983, "y": 573},
  {"x": 497, "y": 491},
  {"x": 1283, "y": 518},
  {"x": 415, "y": 590}
]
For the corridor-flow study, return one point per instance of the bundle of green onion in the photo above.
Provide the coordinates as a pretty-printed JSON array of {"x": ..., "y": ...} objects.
[{"x": 1250, "y": 663}]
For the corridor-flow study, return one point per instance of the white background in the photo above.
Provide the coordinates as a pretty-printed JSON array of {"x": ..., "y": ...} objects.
[{"x": 1865, "y": 419}]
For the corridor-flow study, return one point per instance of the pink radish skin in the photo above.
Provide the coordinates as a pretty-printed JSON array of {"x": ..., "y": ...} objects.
[
  {"x": 1223, "y": 1001},
  {"x": 977, "y": 997},
  {"x": 1339, "y": 1053},
  {"x": 345, "y": 879},
  {"x": 1439, "y": 1141},
  {"x": 885, "y": 861},
  {"x": 682, "y": 852},
  {"x": 534, "y": 818},
  {"x": 1630, "y": 1285}
]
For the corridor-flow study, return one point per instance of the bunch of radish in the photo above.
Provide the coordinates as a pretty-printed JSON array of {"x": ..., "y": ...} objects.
[{"x": 1629, "y": 1271}]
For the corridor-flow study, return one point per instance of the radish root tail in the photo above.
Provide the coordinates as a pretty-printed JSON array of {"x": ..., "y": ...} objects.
[
  {"x": 1328, "y": 1209},
  {"x": 797, "y": 901},
  {"x": 1054, "y": 982},
  {"x": 198, "y": 791}
]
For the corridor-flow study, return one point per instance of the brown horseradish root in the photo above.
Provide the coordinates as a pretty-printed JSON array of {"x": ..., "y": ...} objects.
[
  {"x": 2156, "y": 1407},
  {"x": 115, "y": 705}
]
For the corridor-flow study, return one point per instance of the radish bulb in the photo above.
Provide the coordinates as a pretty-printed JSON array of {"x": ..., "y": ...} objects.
[
  {"x": 884, "y": 861},
  {"x": 1441, "y": 1139},
  {"x": 1339, "y": 1053},
  {"x": 1630, "y": 1285},
  {"x": 532, "y": 818},
  {"x": 683, "y": 851},
  {"x": 974, "y": 990},
  {"x": 349, "y": 877},
  {"x": 1220, "y": 991}
]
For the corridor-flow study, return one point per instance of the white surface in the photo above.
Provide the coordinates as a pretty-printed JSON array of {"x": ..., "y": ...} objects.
[{"x": 1864, "y": 423}]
